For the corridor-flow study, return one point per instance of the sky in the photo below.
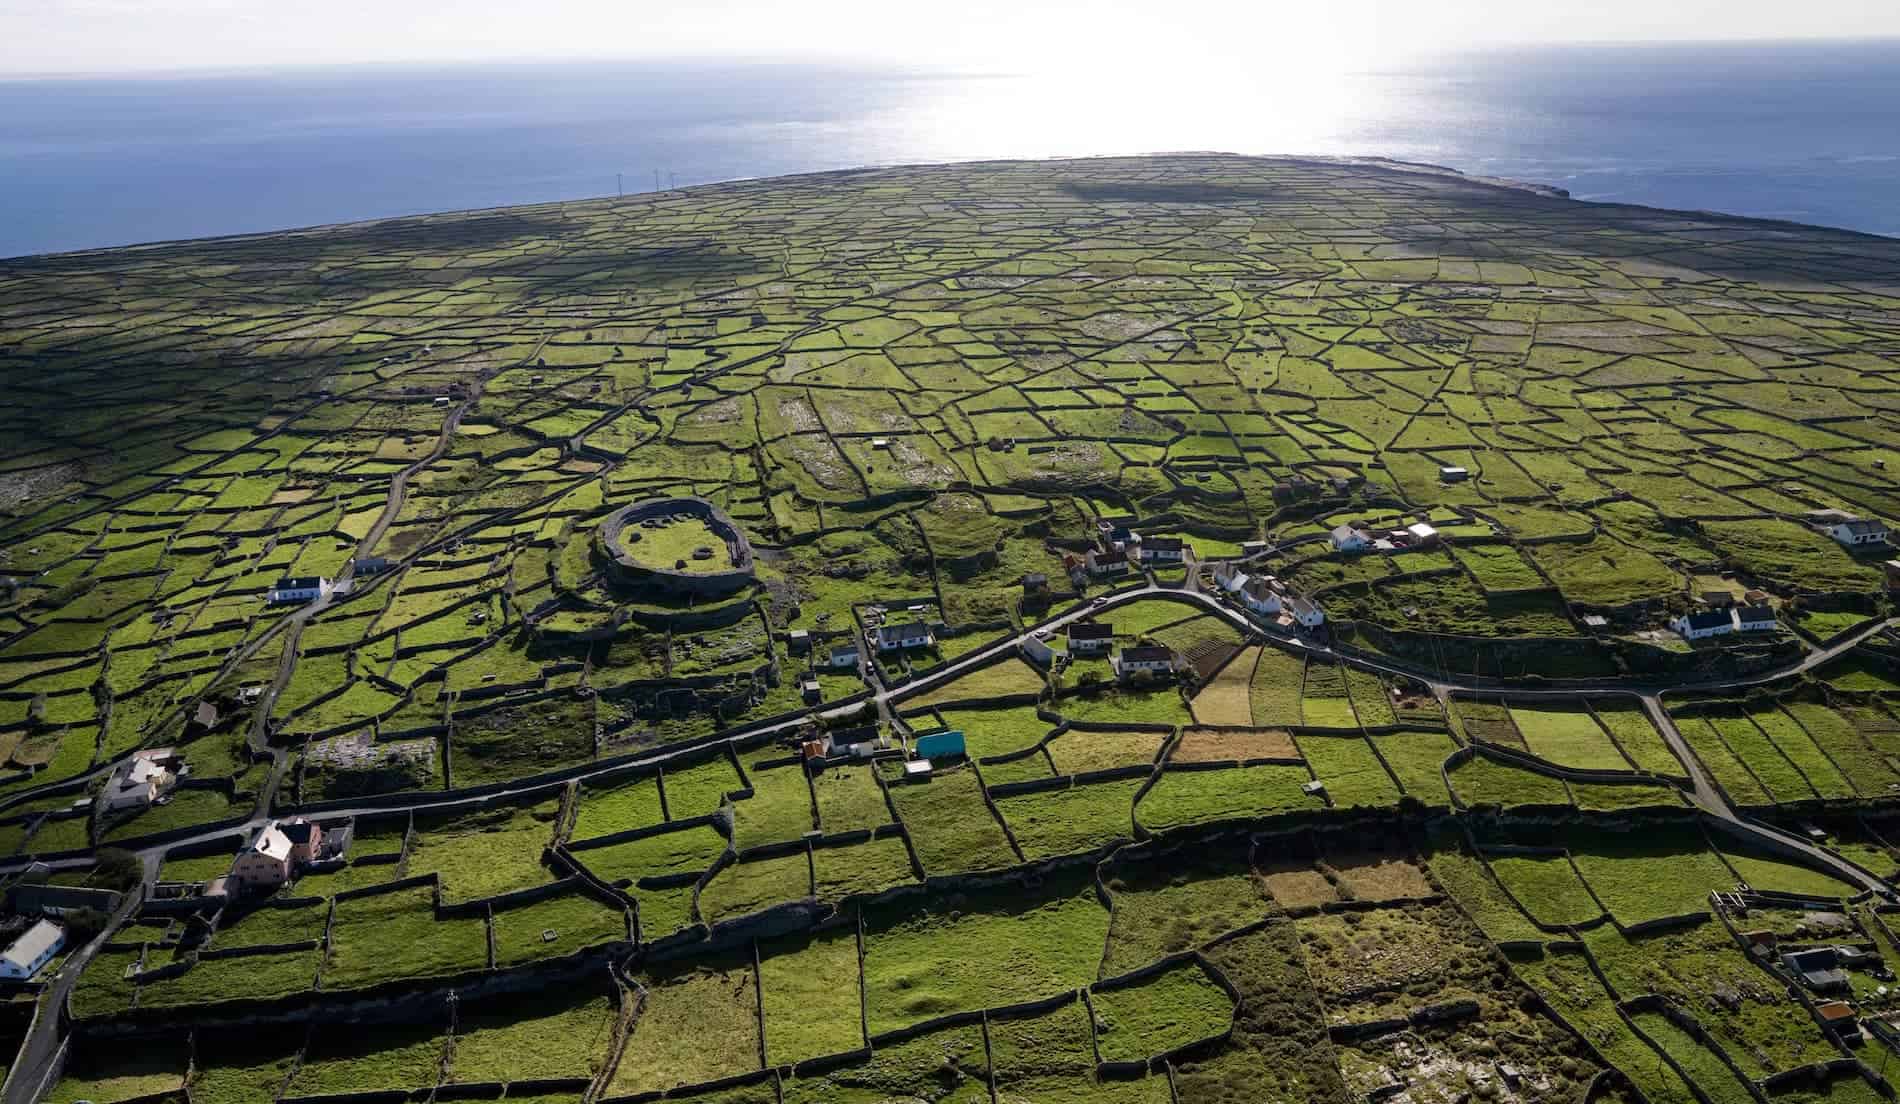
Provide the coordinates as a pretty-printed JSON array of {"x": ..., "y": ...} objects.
[{"x": 49, "y": 37}]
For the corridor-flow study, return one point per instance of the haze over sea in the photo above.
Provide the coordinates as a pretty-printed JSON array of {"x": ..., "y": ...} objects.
[{"x": 1808, "y": 132}]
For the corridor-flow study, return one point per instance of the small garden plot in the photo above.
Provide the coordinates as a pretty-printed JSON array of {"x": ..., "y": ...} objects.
[
  {"x": 695, "y": 1025},
  {"x": 523, "y": 1038},
  {"x": 1418, "y": 759},
  {"x": 1637, "y": 735},
  {"x": 680, "y": 851},
  {"x": 951, "y": 828},
  {"x": 250, "y": 977},
  {"x": 743, "y": 888},
  {"x": 862, "y": 868},
  {"x": 809, "y": 985},
  {"x": 946, "y": 1067},
  {"x": 1548, "y": 888},
  {"x": 779, "y": 809},
  {"x": 486, "y": 853},
  {"x": 1187, "y": 797},
  {"x": 105, "y": 1074},
  {"x": 1782, "y": 779},
  {"x": 233, "y": 1068},
  {"x": 1872, "y": 774},
  {"x": 555, "y": 927},
  {"x": 1793, "y": 741},
  {"x": 1207, "y": 745},
  {"x": 1741, "y": 785},
  {"x": 630, "y": 805},
  {"x": 1274, "y": 692},
  {"x": 1568, "y": 736},
  {"x": 1142, "y": 618},
  {"x": 1488, "y": 720},
  {"x": 1374, "y": 876},
  {"x": 1757, "y": 1021},
  {"x": 1297, "y": 884},
  {"x": 849, "y": 799},
  {"x": 1324, "y": 702},
  {"x": 1370, "y": 698},
  {"x": 1352, "y": 773},
  {"x": 1606, "y": 572},
  {"x": 1163, "y": 1013},
  {"x": 988, "y": 732},
  {"x": 700, "y": 789},
  {"x": 1653, "y": 875},
  {"x": 1081, "y": 818},
  {"x": 1077, "y": 751},
  {"x": 1046, "y": 1057},
  {"x": 1131, "y": 704},
  {"x": 1704, "y": 1067},
  {"x": 1786, "y": 552},
  {"x": 1009, "y": 678},
  {"x": 387, "y": 936},
  {"x": 1495, "y": 913},
  {"x": 1226, "y": 699},
  {"x": 196, "y": 868},
  {"x": 994, "y": 948},
  {"x": 344, "y": 1058},
  {"x": 1777, "y": 875},
  {"x": 1176, "y": 902},
  {"x": 1499, "y": 568},
  {"x": 1480, "y": 781},
  {"x": 269, "y": 925}
]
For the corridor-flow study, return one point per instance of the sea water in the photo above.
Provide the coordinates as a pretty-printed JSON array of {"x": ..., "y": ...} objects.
[{"x": 1808, "y": 132}]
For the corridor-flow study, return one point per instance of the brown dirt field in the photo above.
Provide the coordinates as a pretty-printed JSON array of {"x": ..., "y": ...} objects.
[
  {"x": 1200, "y": 745},
  {"x": 1373, "y": 876},
  {"x": 1298, "y": 886},
  {"x": 1224, "y": 701}
]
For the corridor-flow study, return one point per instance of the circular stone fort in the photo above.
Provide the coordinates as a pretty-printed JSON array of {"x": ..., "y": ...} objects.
[{"x": 675, "y": 546}]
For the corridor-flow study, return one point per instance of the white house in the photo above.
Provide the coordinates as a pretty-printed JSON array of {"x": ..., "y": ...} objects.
[
  {"x": 910, "y": 634},
  {"x": 30, "y": 953},
  {"x": 1758, "y": 617},
  {"x": 1453, "y": 474},
  {"x": 1262, "y": 596},
  {"x": 1347, "y": 538},
  {"x": 1422, "y": 533},
  {"x": 142, "y": 780},
  {"x": 1155, "y": 660},
  {"x": 298, "y": 589},
  {"x": 1089, "y": 638},
  {"x": 844, "y": 656},
  {"x": 1858, "y": 531},
  {"x": 1229, "y": 577},
  {"x": 1706, "y": 623},
  {"x": 1306, "y": 612},
  {"x": 1103, "y": 564},
  {"x": 1163, "y": 550}
]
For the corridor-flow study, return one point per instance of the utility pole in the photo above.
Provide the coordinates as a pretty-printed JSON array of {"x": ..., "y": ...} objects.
[
  {"x": 656, "y": 180},
  {"x": 672, "y": 181},
  {"x": 620, "y": 185}
]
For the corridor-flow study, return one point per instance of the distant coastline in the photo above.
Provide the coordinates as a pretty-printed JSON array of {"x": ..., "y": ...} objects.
[{"x": 1790, "y": 132}]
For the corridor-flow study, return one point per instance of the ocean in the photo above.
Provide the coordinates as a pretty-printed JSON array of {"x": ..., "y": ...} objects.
[{"x": 1790, "y": 131}]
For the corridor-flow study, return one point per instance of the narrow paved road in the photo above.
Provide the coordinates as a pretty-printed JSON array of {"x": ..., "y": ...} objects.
[{"x": 29, "y": 1076}]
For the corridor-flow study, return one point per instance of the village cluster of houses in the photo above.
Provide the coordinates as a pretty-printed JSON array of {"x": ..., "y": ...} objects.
[
  {"x": 1360, "y": 538},
  {"x": 1267, "y": 596},
  {"x": 1120, "y": 550},
  {"x": 1725, "y": 616},
  {"x": 1096, "y": 639},
  {"x": 1822, "y": 970}
]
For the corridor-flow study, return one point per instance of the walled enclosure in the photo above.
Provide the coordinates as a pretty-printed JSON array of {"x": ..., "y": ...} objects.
[{"x": 628, "y": 571}]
